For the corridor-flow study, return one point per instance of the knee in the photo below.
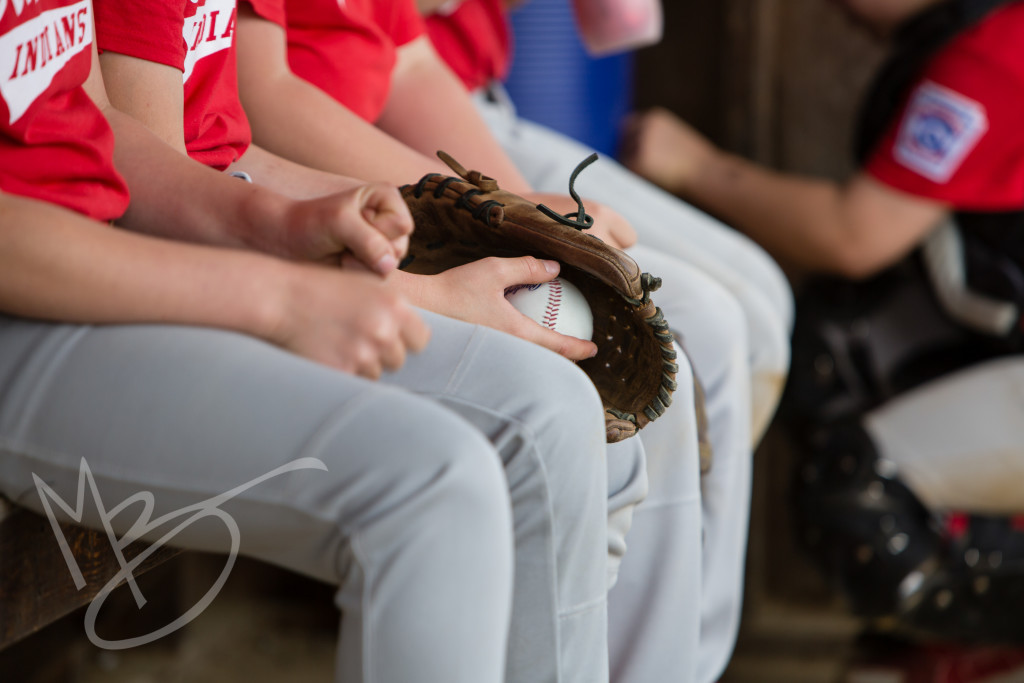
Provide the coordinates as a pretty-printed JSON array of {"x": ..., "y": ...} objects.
[
  {"x": 770, "y": 343},
  {"x": 555, "y": 435},
  {"x": 556, "y": 400},
  {"x": 712, "y": 328},
  {"x": 467, "y": 477},
  {"x": 431, "y": 471}
]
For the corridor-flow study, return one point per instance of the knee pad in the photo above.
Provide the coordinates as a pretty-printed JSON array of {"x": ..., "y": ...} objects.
[
  {"x": 864, "y": 527},
  {"x": 858, "y": 344}
]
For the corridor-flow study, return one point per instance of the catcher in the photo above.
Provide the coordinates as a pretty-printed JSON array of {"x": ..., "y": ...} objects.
[{"x": 909, "y": 369}]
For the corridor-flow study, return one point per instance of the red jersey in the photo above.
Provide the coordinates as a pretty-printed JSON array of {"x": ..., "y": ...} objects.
[
  {"x": 474, "y": 39},
  {"x": 55, "y": 144},
  {"x": 347, "y": 49},
  {"x": 959, "y": 138},
  {"x": 198, "y": 38}
]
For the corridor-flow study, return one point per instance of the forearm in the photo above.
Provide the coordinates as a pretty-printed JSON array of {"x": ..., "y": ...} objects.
[
  {"x": 855, "y": 229},
  {"x": 100, "y": 274},
  {"x": 288, "y": 178},
  {"x": 295, "y": 119},
  {"x": 423, "y": 291},
  {"x": 797, "y": 219},
  {"x": 176, "y": 197},
  {"x": 429, "y": 109}
]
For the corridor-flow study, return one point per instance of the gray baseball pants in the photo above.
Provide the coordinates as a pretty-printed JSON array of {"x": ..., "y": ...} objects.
[
  {"x": 480, "y": 443},
  {"x": 732, "y": 307}
]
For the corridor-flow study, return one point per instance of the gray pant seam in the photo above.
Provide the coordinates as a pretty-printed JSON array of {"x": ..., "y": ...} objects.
[
  {"x": 42, "y": 382},
  {"x": 649, "y": 505},
  {"x": 358, "y": 558},
  {"x": 591, "y": 604},
  {"x": 529, "y": 435}
]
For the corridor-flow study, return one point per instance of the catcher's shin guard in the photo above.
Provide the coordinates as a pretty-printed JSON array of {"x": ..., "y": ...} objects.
[
  {"x": 978, "y": 592},
  {"x": 865, "y": 528}
]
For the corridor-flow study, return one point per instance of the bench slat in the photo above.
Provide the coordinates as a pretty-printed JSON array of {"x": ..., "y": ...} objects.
[{"x": 36, "y": 587}]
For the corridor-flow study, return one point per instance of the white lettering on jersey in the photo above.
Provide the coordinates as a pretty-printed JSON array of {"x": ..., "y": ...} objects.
[
  {"x": 211, "y": 30},
  {"x": 32, "y": 54},
  {"x": 939, "y": 130},
  {"x": 18, "y": 5}
]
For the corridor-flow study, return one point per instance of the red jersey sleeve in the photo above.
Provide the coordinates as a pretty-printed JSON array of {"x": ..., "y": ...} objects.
[
  {"x": 474, "y": 40},
  {"x": 271, "y": 10},
  {"x": 349, "y": 49},
  {"x": 55, "y": 144},
  {"x": 958, "y": 138},
  {"x": 401, "y": 20},
  {"x": 147, "y": 29}
]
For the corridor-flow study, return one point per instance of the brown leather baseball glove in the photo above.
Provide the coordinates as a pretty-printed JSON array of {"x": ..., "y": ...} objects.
[{"x": 464, "y": 219}]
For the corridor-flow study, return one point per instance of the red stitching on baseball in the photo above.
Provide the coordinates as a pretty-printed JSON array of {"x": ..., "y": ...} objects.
[{"x": 554, "y": 301}]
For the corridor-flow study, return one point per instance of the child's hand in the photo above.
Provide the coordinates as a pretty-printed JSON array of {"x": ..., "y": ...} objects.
[
  {"x": 475, "y": 293},
  {"x": 609, "y": 225},
  {"x": 370, "y": 223},
  {"x": 666, "y": 150},
  {"x": 350, "y": 321}
]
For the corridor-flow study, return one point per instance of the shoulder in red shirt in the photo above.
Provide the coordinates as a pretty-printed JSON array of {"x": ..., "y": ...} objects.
[
  {"x": 347, "y": 49},
  {"x": 55, "y": 144},
  {"x": 474, "y": 39},
  {"x": 959, "y": 138},
  {"x": 197, "y": 37}
]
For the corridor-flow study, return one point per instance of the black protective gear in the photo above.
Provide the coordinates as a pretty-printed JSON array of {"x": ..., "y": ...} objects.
[
  {"x": 862, "y": 524},
  {"x": 977, "y": 593}
]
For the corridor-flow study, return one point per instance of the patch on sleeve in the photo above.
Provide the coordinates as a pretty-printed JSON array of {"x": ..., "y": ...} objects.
[{"x": 939, "y": 129}]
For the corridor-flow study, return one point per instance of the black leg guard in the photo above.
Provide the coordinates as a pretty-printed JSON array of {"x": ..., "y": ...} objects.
[
  {"x": 867, "y": 530},
  {"x": 978, "y": 592}
]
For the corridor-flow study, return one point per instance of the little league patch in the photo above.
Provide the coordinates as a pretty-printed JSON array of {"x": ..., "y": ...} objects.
[{"x": 939, "y": 129}]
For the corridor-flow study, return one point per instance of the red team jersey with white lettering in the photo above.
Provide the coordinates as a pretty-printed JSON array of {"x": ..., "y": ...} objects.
[
  {"x": 347, "y": 48},
  {"x": 55, "y": 144},
  {"x": 474, "y": 40},
  {"x": 960, "y": 136},
  {"x": 198, "y": 38}
]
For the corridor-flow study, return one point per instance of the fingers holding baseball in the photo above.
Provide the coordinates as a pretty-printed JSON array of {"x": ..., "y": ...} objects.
[
  {"x": 370, "y": 223},
  {"x": 476, "y": 291},
  {"x": 572, "y": 348}
]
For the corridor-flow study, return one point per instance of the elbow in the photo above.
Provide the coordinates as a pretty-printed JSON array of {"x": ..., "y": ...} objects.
[
  {"x": 854, "y": 249},
  {"x": 856, "y": 261}
]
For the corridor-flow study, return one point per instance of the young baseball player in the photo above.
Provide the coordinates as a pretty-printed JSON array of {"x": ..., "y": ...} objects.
[
  {"x": 559, "y": 616},
  {"x": 941, "y": 166},
  {"x": 473, "y": 37},
  {"x": 188, "y": 371}
]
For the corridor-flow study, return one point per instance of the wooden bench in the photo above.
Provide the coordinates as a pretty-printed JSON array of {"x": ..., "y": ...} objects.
[{"x": 36, "y": 587}]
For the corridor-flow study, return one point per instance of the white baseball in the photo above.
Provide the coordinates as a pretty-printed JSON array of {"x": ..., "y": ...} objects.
[{"x": 557, "y": 305}]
